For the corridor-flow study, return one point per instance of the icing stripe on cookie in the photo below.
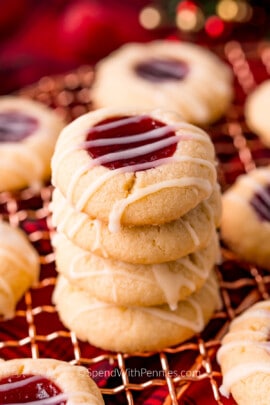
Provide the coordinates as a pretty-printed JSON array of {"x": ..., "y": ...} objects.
[{"x": 240, "y": 372}]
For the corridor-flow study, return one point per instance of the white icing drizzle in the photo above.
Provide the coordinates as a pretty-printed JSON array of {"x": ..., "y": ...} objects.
[
  {"x": 98, "y": 241},
  {"x": 240, "y": 372},
  {"x": 74, "y": 179},
  {"x": 253, "y": 313},
  {"x": 18, "y": 384},
  {"x": 47, "y": 401},
  {"x": 196, "y": 325},
  {"x": 120, "y": 205},
  {"x": 191, "y": 232},
  {"x": 226, "y": 347},
  {"x": 170, "y": 283},
  {"x": 73, "y": 230},
  {"x": 123, "y": 140},
  {"x": 200, "y": 271},
  {"x": 135, "y": 152},
  {"x": 88, "y": 308}
]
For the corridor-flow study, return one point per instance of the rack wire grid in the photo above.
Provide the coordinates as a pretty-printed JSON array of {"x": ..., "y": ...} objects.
[{"x": 185, "y": 374}]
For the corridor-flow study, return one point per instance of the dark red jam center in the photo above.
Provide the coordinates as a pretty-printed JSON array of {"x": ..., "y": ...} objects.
[
  {"x": 157, "y": 70},
  {"x": 120, "y": 127},
  {"x": 15, "y": 126},
  {"x": 260, "y": 202},
  {"x": 37, "y": 390}
]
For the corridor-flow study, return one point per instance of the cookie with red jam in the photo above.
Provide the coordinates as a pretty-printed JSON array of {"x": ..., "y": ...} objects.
[
  {"x": 46, "y": 382},
  {"x": 19, "y": 268},
  {"x": 245, "y": 225},
  {"x": 146, "y": 244},
  {"x": 165, "y": 74},
  {"x": 28, "y": 132},
  {"x": 132, "y": 328},
  {"x": 130, "y": 167},
  {"x": 244, "y": 357}
]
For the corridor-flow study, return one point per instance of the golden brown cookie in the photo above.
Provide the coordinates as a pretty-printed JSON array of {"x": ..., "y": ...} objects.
[
  {"x": 245, "y": 225},
  {"x": 244, "y": 357},
  {"x": 19, "y": 268},
  {"x": 141, "y": 244},
  {"x": 130, "y": 167},
  {"x": 128, "y": 284},
  {"x": 28, "y": 132},
  {"x": 179, "y": 77},
  {"x": 257, "y": 111},
  {"x": 131, "y": 329}
]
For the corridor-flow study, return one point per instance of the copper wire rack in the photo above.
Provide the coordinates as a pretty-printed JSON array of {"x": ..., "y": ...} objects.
[{"x": 185, "y": 374}]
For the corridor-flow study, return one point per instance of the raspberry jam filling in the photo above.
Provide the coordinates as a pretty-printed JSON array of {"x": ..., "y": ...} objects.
[
  {"x": 126, "y": 141},
  {"x": 16, "y": 126},
  {"x": 26, "y": 388},
  {"x": 260, "y": 202},
  {"x": 158, "y": 70}
]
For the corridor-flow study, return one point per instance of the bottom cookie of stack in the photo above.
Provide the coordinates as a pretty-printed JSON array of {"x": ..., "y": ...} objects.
[{"x": 132, "y": 328}]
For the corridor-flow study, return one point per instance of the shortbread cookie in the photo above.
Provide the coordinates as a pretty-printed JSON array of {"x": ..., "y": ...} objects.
[
  {"x": 28, "y": 132},
  {"x": 128, "y": 284},
  {"x": 176, "y": 76},
  {"x": 133, "y": 168},
  {"x": 131, "y": 329},
  {"x": 140, "y": 244},
  {"x": 19, "y": 268},
  {"x": 257, "y": 111},
  {"x": 46, "y": 382},
  {"x": 245, "y": 359},
  {"x": 245, "y": 223}
]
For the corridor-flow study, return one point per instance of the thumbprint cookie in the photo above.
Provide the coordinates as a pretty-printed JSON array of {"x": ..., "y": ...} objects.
[
  {"x": 133, "y": 167},
  {"x": 245, "y": 224},
  {"x": 46, "y": 382},
  {"x": 28, "y": 132},
  {"x": 244, "y": 357},
  {"x": 179, "y": 77}
]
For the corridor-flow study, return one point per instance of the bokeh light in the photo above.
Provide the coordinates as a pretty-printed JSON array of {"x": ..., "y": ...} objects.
[
  {"x": 150, "y": 17},
  {"x": 214, "y": 26}
]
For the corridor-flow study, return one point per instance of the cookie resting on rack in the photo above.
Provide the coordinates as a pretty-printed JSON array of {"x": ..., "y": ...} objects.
[
  {"x": 257, "y": 112},
  {"x": 46, "y": 382},
  {"x": 244, "y": 357},
  {"x": 180, "y": 77},
  {"x": 128, "y": 284},
  {"x": 130, "y": 167},
  {"x": 245, "y": 225},
  {"x": 132, "y": 329},
  {"x": 28, "y": 132},
  {"x": 139, "y": 244},
  {"x": 19, "y": 268}
]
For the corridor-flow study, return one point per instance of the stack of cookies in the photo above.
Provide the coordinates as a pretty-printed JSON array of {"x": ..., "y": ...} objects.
[{"x": 136, "y": 205}]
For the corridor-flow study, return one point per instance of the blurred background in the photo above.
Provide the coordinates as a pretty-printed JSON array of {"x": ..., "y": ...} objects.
[{"x": 40, "y": 38}]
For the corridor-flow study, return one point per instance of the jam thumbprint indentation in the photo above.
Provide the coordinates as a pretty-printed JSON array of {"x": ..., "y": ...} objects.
[
  {"x": 260, "y": 202},
  {"x": 159, "y": 70},
  {"x": 27, "y": 388},
  {"x": 128, "y": 141},
  {"x": 16, "y": 126}
]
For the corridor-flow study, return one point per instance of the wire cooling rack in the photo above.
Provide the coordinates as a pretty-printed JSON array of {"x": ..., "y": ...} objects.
[{"x": 186, "y": 374}]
